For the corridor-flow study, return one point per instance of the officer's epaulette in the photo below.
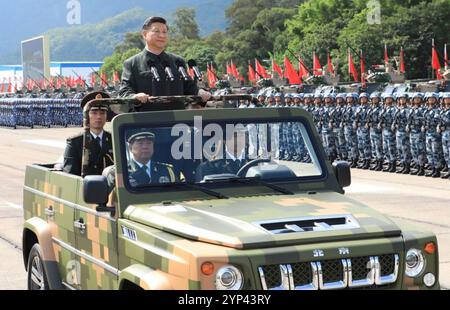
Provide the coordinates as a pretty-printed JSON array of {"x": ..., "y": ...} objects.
[
  {"x": 78, "y": 135},
  {"x": 164, "y": 164}
]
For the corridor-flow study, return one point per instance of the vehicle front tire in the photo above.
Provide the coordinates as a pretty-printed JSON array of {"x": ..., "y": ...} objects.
[{"x": 36, "y": 278}]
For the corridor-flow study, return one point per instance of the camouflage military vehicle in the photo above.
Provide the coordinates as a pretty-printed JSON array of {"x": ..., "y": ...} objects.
[{"x": 216, "y": 212}]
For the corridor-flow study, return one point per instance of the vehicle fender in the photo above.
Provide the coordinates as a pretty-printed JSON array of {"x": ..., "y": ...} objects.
[
  {"x": 42, "y": 231},
  {"x": 145, "y": 277}
]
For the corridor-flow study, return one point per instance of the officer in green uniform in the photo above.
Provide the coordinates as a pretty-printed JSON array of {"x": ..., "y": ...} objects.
[
  {"x": 99, "y": 149},
  {"x": 154, "y": 72},
  {"x": 141, "y": 169}
]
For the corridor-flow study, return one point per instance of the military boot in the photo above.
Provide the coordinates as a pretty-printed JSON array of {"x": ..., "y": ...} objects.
[
  {"x": 429, "y": 174},
  {"x": 393, "y": 167},
  {"x": 379, "y": 166},
  {"x": 354, "y": 163},
  {"x": 407, "y": 169},
  {"x": 401, "y": 170},
  {"x": 421, "y": 171},
  {"x": 437, "y": 173},
  {"x": 446, "y": 176},
  {"x": 366, "y": 165},
  {"x": 445, "y": 169},
  {"x": 388, "y": 168}
]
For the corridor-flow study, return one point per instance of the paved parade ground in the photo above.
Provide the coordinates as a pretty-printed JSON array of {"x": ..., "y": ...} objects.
[{"x": 421, "y": 201}]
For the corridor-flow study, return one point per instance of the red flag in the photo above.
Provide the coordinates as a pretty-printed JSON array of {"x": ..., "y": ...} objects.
[
  {"x": 212, "y": 78},
  {"x": 290, "y": 73},
  {"x": 58, "y": 83},
  {"x": 276, "y": 68},
  {"x": 93, "y": 79},
  {"x": 330, "y": 68},
  {"x": 363, "y": 68},
  {"x": 260, "y": 70},
  {"x": 229, "y": 71},
  {"x": 351, "y": 67},
  {"x": 116, "y": 77},
  {"x": 435, "y": 63},
  {"x": 302, "y": 71},
  {"x": 435, "y": 59},
  {"x": 9, "y": 90},
  {"x": 386, "y": 56},
  {"x": 251, "y": 73},
  {"x": 234, "y": 70},
  {"x": 2, "y": 89},
  {"x": 402, "y": 61},
  {"x": 317, "y": 68},
  {"x": 42, "y": 84},
  {"x": 104, "y": 79}
]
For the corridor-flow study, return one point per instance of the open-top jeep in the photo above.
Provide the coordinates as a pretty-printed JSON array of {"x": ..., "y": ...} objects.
[{"x": 217, "y": 209}]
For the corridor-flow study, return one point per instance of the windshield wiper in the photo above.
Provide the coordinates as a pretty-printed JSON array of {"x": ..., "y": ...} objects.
[
  {"x": 190, "y": 186},
  {"x": 256, "y": 181},
  {"x": 263, "y": 183}
]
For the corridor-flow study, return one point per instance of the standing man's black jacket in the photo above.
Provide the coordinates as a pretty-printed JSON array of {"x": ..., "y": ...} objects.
[
  {"x": 99, "y": 158},
  {"x": 137, "y": 77}
]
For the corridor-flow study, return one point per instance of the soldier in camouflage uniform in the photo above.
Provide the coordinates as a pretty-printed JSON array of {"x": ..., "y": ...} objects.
[
  {"x": 376, "y": 134},
  {"x": 348, "y": 120},
  {"x": 282, "y": 128},
  {"x": 297, "y": 101},
  {"x": 402, "y": 136},
  {"x": 433, "y": 138},
  {"x": 443, "y": 153},
  {"x": 328, "y": 136},
  {"x": 338, "y": 126},
  {"x": 362, "y": 131},
  {"x": 386, "y": 121},
  {"x": 307, "y": 102},
  {"x": 445, "y": 129},
  {"x": 317, "y": 111},
  {"x": 417, "y": 138}
]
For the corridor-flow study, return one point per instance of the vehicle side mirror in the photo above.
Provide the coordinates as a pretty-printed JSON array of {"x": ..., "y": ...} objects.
[
  {"x": 95, "y": 191},
  {"x": 342, "y": 172}
]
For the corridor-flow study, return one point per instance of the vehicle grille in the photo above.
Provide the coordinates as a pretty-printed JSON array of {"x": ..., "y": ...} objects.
[{"x": 356, "y": 272}]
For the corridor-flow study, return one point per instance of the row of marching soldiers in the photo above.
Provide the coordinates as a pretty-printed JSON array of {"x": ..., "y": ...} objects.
[{"x": 406, "y": 133}]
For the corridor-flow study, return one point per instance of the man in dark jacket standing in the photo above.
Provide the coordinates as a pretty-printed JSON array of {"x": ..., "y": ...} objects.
[{"x": 154, "y": 72}]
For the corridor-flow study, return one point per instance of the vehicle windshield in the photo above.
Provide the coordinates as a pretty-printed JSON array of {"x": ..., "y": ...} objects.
[{"x": 201, "y": 153}]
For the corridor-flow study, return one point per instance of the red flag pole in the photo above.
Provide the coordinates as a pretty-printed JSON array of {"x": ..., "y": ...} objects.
[
  {"x": 402, "y": 61},
  {"x": 446, "y": 57},
  {"x": 363, "y": 70},
  {"x": 386, "y": 56}
]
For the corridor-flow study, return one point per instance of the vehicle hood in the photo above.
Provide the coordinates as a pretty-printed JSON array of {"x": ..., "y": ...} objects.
[{"x": 235, "y": 222}]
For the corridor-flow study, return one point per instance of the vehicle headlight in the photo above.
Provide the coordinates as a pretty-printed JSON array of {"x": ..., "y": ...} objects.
[
  {"x": 415, "y": 263},
  {"x": 229, "y": 278}
]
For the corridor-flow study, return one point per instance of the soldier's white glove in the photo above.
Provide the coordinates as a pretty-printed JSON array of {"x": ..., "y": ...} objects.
[
  {"x": 423, "y": 129},
  {"x": 379, "y": 127},
  {"x": 407, "y": 129}
]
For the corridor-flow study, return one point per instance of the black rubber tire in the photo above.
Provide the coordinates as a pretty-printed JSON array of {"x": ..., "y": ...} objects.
[{"x": 36, "y": 277}]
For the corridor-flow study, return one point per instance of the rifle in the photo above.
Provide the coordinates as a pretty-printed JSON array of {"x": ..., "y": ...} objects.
[
  {"x": 79, "y": 77},
  {"x": 302, "y": 63},
  {"x": 48, "y": 81},
  {"x": 96, "y": 73}
]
